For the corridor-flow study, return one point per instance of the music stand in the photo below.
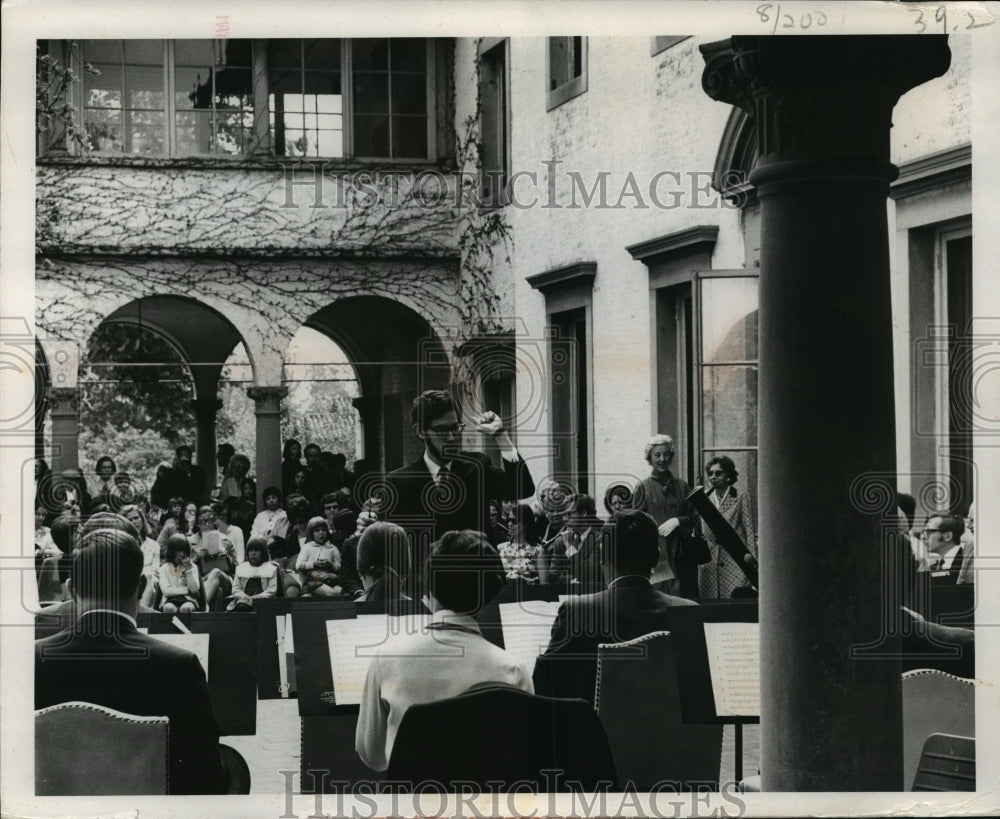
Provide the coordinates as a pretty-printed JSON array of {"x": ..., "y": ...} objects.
[{"x": 695, "y": 683}]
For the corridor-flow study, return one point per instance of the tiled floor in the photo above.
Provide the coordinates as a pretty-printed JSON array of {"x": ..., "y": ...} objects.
[{"x": 275, "y": 747}]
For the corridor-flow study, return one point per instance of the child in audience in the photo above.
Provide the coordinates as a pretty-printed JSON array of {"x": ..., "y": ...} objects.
[
  {"x": 149, "y": 581},
  {"x": 319, "y": 561},
  {"x": 273, "y": 521},
  {"x": 214, "y": 555},
  {"x": 179, "y": 579},
  {"x": 256, "y": 577}
]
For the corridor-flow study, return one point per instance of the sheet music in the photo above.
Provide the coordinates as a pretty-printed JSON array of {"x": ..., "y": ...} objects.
[
  {"x": 734, "y": 663},
  {"x": 527, "y": 627},
  {"x": 352, "y": 644},
  {"x": 197, "y": 644}
]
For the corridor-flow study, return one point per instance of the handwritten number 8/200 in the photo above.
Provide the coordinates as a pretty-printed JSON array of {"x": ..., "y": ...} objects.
[{"x": 787, "y": 20}]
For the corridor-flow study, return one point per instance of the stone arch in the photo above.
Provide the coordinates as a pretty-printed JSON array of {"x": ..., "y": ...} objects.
[
  {"x": 736, "y": 157},
  {"x": 396, "y": 353}
]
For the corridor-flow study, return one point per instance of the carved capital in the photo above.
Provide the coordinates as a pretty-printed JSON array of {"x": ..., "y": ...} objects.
[
  {"x": 63, "y": 400},
  {"x": 267, "y": 399},
  {"x": 823, "y": 97}
]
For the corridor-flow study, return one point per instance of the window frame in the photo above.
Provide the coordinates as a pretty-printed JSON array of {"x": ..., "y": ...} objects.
[
  {"x": 573, "y": 87},
  {"x": 496, "y": 50},
  {"x": 260, "y": 91}
]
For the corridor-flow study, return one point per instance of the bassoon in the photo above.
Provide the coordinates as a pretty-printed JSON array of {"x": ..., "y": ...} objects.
[{"x": 725, "y": 534}]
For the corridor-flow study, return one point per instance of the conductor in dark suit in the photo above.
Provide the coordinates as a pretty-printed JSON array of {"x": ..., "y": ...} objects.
[
  {"x": 630, "y": 607},
  {"x": 448, "y": 489},
  {"x": 103, "y": 659}
]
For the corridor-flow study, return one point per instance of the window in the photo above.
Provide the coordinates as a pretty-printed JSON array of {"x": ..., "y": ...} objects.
[
  {"x": 164, "y": 98},
  {"x": 567, "y": 69},
  {"x": 390, "y": 98},
  {"x": 494, "y": 122},
  {"x": 369, "y": 98},
  {"x": 568, "y": 295},
  {"x": 305, "y": 100}
]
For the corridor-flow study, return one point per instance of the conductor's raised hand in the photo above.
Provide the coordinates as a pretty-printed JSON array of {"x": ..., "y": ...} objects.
[{"x": 489, "y": 423}]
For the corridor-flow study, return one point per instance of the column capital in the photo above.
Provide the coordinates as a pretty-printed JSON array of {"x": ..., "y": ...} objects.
[
  {"x": 823, "y": 97},
  {"x": 206, "y": 406},
  {"x": 62, "y": 400},
  {"x": 267, "y": 399}
]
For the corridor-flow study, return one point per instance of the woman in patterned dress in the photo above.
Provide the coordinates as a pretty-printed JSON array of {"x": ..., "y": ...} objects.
[{"x": 720, "y": 576}]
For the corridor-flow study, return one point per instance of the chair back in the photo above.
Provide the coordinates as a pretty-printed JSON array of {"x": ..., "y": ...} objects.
[
  {"x": 82, "y": 749},
  {"x": 639, "y": 704},
  {"x": 947, "y": 763},
  {"x": 496, "y": 733},
  {"x": 934, "y": 703}
]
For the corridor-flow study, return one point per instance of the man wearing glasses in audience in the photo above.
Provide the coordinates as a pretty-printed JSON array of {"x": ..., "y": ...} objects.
[
  {"x": 447, "y": 488},
  {"x": 942, "y": 535}
]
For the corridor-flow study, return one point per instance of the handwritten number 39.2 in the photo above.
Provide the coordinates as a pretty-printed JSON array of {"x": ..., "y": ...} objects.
[
  {"x": 941, "y": 17},
  {"x": 787, "y": 20}
]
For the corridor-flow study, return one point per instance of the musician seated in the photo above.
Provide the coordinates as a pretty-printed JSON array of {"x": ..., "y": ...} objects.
[
  {"x": 105, "y": 660},
  {"x": 462, "y": 574},
  {"x": 630, "y": 607}
]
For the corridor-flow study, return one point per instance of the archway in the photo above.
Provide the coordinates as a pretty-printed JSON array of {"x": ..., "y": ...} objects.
[
  {"x": 150, "y": 376},
  {"x": 395, "y": 354}
]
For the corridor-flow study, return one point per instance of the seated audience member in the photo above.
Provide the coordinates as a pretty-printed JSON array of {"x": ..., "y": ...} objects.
[
  {"x": 630, "y": 607},
  {"x": 318, "y": 563},
  {"x": 244, "y": 510},
  {"x": 449, "y": 656},
  {"x": 105, "y": 469},
  {"x": 907, "y": 505},
  {"x": 520, "y": 554},
  {"x": 105, "y": 660},
  {"x": 581, "y": 538},
  {"x": 171, "y": 521},
  {"x": 255, "y": 578},
  {"x": 942, "y": 535},
  {"x": 150, "y": 548},
  {"x": 53, "y": 558},
  {"x": 183, "y": 478},
  {"x": 273, "y": 521},
  {"x": 237, "y": 469},
  {"x": 214, "y": 555},
  {"x": 291, "y": 462},
  {"x": 617, "y": 498},
  {"x": 496, "y": 532},
  {"x": 344, "y": 524},
  {"x": 222, "y": 514},
  {"x": 383, "y": 555},
  {"x": 180, "y": 581}
]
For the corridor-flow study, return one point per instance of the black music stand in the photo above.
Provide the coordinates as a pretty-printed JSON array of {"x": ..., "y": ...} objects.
[{"x": 687, "y": 627}]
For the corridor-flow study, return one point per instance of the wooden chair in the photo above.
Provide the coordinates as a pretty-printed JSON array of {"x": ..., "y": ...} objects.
[
  {"x": 947, "y": 763},
  {"x": 83, "y": 749},
  {"x": 639, "y": 705},
  {"x": 934, "y": 703}
]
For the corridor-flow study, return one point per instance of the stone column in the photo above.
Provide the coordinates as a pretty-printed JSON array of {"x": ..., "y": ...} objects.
[
  {"x": 822, "y": 107},
  {"x": 368, "y": 418},
  {"x": 268, "y": 412},
  {"x": 63, "y": 404},
  {"x": 205, "y": 412},
  {"x": 261, "y": 107}
]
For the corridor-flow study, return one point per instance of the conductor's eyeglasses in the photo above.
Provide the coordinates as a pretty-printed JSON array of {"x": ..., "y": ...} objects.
[{"x": 448, "y": 430}]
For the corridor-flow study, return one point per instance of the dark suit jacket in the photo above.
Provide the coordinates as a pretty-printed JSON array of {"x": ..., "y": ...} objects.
[
  {"x": 427, "y": 511},
  {"x": 103, "y": 659},
  {"x": 174, "y": 483},
  {"x": 630, "y": 607}
]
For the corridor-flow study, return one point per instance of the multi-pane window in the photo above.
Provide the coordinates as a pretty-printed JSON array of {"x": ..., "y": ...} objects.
[
  {"x": 167, "y": 98},
  {"x": 390, "y": 97},
  {"x": 213, "y": 97},
  {"x": 366, "y": 98},
  {"x": 306, "y": 97},
  {"x": 124, "y": 96}
]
